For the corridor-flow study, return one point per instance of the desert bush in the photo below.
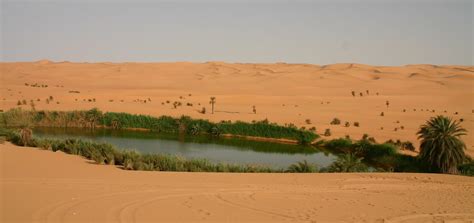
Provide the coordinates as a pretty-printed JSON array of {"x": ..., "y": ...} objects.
[
  {"x": 335, "y": 121},
  {"x": 327, "y": 132},
  {"x": 347, "y": 124},
  {"x": 356, "y": 124}
]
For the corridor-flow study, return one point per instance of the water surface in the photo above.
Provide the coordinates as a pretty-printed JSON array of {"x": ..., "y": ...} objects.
[{"x": 227, "y": 150}]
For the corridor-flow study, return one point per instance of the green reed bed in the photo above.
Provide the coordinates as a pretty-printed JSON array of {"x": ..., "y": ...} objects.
[{"x": 183, "y": 125}]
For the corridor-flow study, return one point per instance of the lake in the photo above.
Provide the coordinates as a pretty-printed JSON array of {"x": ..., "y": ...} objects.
[{"x": 227, "y": 150}]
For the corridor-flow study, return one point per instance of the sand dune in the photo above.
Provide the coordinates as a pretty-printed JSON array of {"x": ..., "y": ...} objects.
[
  {"x": 283, "y": 93},
  {"x": 43, "y": 186}
]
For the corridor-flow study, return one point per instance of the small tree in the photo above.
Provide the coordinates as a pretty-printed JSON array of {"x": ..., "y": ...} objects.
[
  {"x": 93, "y": 116},
  {"x": 353, "y": 93},
  {"x": 212, "y": 102},
  {"x": 254, "y": 109}
]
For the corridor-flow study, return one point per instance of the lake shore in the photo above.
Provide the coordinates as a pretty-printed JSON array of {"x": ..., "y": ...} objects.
[{"x": 67, "y": 188}]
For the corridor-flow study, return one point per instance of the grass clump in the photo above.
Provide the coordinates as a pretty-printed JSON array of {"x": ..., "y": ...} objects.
[{"x": 302, "y": 167}]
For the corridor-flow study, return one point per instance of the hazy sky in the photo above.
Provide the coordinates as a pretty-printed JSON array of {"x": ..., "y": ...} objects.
[{"x": 379, "y": 32}]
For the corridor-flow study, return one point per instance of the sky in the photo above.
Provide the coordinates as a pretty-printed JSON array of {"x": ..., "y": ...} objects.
[{"x": 377, "y": 32}]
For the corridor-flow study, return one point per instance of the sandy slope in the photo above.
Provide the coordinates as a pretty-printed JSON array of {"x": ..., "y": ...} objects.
[
  {"x": 43, "y": 186},
  {"x": 283, "y": 93}
]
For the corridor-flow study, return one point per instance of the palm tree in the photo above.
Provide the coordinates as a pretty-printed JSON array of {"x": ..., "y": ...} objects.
[
  {"x": 212, "y": 102},
  {"x": 441, "y": 146},
  {"x": 115, "y": 123},
  {"x": 302, "y": 167},
  {"x": 93, "y": 116},
  {"x": 348, "y": 163}
]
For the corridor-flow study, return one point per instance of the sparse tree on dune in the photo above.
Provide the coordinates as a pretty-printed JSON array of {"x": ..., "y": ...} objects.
[{"x": 212, "y": 102}]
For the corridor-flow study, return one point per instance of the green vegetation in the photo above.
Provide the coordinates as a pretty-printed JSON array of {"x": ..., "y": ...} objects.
[
  {"x": 407, "y": 145},
  {"x": 384, "y": 156},
  {"x": 183, "y": 125},
  {"x": 441, "y": 146},
  {"x": 467, "y": 168},
  {"x": 348, "y": 163},
  {"x": 302, "y": 167}
]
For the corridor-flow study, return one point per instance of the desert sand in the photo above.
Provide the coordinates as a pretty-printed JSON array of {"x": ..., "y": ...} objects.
[
  {"x": 283, "y": 93},
  {"x": 44, "y": 186}
]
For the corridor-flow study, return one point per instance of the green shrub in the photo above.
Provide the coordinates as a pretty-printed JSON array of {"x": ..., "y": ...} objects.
[
  {"x": 467, "y": 169},
  {"x": 338, "y": 144}
]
